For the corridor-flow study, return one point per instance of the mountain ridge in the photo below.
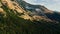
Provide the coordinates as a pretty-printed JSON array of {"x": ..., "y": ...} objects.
[
  {"x": 37, "y": 13},
  {"x": 14, "y": 19},
  {"x": 32, "y": 8}
]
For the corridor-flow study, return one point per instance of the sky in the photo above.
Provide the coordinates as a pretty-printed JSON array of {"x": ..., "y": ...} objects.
[{"x": 50, "y": 4}]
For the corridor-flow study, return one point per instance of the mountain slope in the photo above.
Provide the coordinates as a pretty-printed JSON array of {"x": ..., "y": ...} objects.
[
  {"x": 39, "y": 11},
  {"x": 11, "y": 21}
]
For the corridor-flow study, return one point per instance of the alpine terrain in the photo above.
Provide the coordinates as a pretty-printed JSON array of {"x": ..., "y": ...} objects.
[{"x": 20, "y": 17}]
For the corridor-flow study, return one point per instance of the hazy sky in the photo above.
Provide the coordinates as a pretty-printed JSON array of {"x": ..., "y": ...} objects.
[{"x": 50, "y": 4}]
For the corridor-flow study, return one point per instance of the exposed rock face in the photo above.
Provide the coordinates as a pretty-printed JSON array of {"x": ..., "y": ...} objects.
[
  {"x": 28, "y": 11},
  {"x": 14, "y": 6},
  {"x": 41, "y": 11}
]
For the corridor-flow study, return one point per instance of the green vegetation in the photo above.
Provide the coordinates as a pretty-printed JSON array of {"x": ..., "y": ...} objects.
[{"x": 13, "y": 24}]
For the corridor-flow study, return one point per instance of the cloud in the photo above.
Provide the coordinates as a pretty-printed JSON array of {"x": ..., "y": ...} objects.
[
  {"x": 54, "y": 6},
  {"x": 56, "y": 0}
]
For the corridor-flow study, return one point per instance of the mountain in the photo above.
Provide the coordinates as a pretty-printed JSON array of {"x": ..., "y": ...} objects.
[
  {"x": 16, "y": 18},
  {"x": 39, "y": 11}
]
